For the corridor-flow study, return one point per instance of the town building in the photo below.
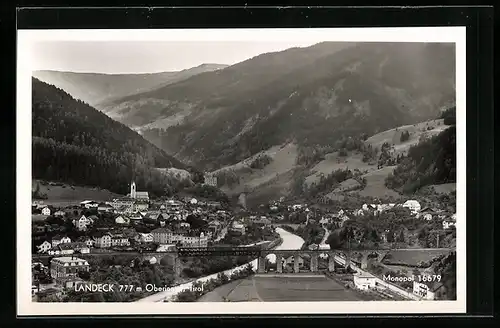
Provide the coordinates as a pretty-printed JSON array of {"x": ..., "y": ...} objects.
[
  {"x": 86, "y": 240},
  {"x": 102, "y": 240},
  {"x": 167, "y": 236},
  {"x": 46, "y": 211},
  {"x": 69, "y": 248},
  {"x": 89, "y": 204},
  {"x": 134, "y": 194},
  {"x": 413, "y": 206},
  {"x": 140, "y": 205},
  {"x": 146, "y": 237},
  {"x": 448, "y": 223},
  {"x": 210, "y": 180},
  {"x": 119, "y": 240},
  {"x": 194, "y": 241},
  {"x": 56, "y": 240},
  {"x": 423, "y": 291},
  {"x": 67, "y": 266},
  {"x": 44, "y": 247},
  {"x": 61, "y": 249},
  {"x": 364, "y": 281},
  {"x": 106, "y": 208},
  {"x": 122, "y": 219},
  {"x": 162, "y": 236},
  {"x": 120, "y": 202},
  {"x": 238, "y": 228},
  {"x": 83, "y": 223},
  {"x": 59, "y": 213}
]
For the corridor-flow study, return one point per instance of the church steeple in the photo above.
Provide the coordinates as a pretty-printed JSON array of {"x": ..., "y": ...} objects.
[{"x": 132, "y": 190}]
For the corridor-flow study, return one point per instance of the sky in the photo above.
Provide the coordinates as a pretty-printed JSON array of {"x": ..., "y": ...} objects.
[{"x": 146, "y": 56}]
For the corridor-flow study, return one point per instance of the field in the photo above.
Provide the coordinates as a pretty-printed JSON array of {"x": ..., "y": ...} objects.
[
  {"x": 283, "y": 162},
  {"x": 173, "y": 172},
  {"x": 412, "y": 257},
  {"x": 349, "y": 184},
  {"x": 393, "y": 136},
  {"x": 334, "y": 162},
  {"x": 62, "y": 195},
  {"x": 283, "y": 288},
  {"x": 375, "y": 184},
  {"x": 444, "y": 188}
]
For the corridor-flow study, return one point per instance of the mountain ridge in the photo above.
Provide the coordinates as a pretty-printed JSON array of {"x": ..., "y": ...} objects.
[
  {"x": 96, "y": 88},
  {"x": 356, "y": 88},
  {"x": 75, "y": 143}
]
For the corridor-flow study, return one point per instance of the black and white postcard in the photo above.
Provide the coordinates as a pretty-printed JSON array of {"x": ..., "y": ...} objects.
[{"x": 272, "y": 170}]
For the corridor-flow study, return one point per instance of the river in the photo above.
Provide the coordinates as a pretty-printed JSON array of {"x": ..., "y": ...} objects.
[{"x": 290, "y": 242}]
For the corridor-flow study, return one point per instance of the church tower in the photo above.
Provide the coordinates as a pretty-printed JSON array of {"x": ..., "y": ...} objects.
[{"x": 132, "y": 190}]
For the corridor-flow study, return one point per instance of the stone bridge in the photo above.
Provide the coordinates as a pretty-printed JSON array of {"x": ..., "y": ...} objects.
[{"x": 359, "y": 257}]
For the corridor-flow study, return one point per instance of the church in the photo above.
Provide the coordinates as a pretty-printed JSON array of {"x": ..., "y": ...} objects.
[{"x": 139, "y": 195}]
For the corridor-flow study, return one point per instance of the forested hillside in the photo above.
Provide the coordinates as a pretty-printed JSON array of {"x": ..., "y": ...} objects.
[
  {"x": 75, "y": 143},
  {"x": 431, "y": 161},
  {"x": 220, "y": 118}
]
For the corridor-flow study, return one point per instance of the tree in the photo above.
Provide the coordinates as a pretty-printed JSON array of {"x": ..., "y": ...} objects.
[
  {"x": 401, "y": 237},
  {"x": 85, "y": 275},
  {"x": 405, "y": 135}
]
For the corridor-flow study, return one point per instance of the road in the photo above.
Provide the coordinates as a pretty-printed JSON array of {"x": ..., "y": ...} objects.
[{"x": 290, "y": 241}]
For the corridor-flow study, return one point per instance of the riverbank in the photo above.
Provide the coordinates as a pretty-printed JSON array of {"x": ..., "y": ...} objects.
[{"x": 289, "y": 241}]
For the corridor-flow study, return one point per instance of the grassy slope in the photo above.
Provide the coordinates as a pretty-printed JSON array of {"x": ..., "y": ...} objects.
[
  {"x": 393, "y": 136},
  {"x": 334, "y": 162},
  {"x": 274, "y": 180}
]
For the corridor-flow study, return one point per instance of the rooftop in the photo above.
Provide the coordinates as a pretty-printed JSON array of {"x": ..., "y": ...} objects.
[{"x": 68, "y": 259}]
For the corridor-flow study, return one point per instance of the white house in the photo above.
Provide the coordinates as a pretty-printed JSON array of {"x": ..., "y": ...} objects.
[
  {"x": 65, "y": 249},
  {"x": 427, "y": 216},
  {"x": 146, "y": 237},
  {"x": 423, "y": 291},
  {"x": 238, "y": 227},
  {"x": 136, "y": 217},
  {"x": 82, "y": 223},
  {"x": 210, "y": 180},
  {"x": 448, "y": 224},
  {"x": 44, "y": 247},
  {"x": 89, "y": 204},
  {"x": 359, "y": 212},
  {"x": 119, "y": 240},
  {"x": 103, "y": 241},
  {"x": 59, "y": 213},
  {"x": 46, "y": 211},
  {"x": 122, "y": 220},
  {"x": 413, "y": 206},
  {"x": 87, "y": 241},
  {"x": 364, "y": 281},
  {"x": 56, "y": 240}
]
